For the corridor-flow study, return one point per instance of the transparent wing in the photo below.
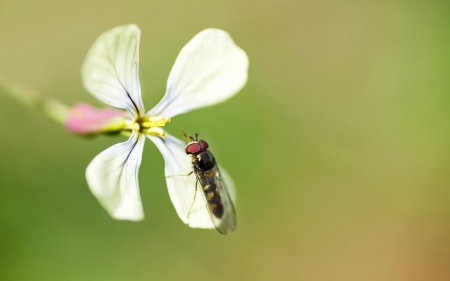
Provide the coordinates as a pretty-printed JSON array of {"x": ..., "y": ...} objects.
[
  {"x": 227, "y": 222},
  {"x": 110, "y": 71},
  {"x": 229, "y": 184}
]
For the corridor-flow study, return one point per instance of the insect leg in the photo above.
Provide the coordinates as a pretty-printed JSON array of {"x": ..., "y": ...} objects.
[
  {"x": 190, "y": 173},
  {"x": 185, "y": 135},
  {"x": 193, "y": 201}
]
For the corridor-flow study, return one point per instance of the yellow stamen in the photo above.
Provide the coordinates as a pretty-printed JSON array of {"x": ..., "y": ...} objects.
[
  {"x": 136, "y": 126},
  {"x": 156, "y": 131},
  {"x": 150, "y": 125},
  {"x": 154, "y": 121}
]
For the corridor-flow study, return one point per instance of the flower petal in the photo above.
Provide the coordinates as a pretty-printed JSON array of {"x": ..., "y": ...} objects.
[
  {"x": 208, "y": 70},
  {"x": 110, "y": 71},
  {"x": 112, "y": 177},
  {"x": 181, "y": 187}
]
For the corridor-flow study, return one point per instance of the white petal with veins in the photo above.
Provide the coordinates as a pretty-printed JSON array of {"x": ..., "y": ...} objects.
[
  {"x": 112, "y": 177},
  {"x": 110, "y": 71},
  {"x": 181, "y": 187},
  {"x": 209, "y": 69}
]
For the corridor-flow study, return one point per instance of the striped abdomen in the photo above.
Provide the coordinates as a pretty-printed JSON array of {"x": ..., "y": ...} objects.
[
  {"x": 212, "y": 195},
  {"x": 206, "y": 169}
]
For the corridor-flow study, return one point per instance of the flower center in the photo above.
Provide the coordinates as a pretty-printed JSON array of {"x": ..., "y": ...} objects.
[{"x": 151, "y": 125}]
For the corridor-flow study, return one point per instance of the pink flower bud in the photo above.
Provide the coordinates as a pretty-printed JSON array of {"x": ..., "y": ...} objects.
[{"x": 85, "y": 119}]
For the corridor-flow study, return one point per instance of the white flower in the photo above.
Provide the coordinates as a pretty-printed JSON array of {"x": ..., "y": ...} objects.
[{"x": 208, "y": 70}]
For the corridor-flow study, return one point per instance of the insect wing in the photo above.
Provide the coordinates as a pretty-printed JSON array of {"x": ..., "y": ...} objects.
[{"x": 227, "y": 222}]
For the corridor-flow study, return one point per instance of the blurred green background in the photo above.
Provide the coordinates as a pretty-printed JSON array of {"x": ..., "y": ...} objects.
[{"x": 338, "y": 144}]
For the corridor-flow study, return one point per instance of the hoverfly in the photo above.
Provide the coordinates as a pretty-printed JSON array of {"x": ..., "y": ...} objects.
[{"x": 217, "y": 199}]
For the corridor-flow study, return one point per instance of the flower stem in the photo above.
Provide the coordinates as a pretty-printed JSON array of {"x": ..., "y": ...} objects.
[{"x": 50, "y": 107}]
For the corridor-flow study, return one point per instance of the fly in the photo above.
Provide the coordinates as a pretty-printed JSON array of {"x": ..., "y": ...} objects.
[{"x": 217, "y": 198}]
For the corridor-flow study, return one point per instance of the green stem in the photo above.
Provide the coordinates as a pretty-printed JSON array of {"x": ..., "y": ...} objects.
[{"x": 51, "y": 107}]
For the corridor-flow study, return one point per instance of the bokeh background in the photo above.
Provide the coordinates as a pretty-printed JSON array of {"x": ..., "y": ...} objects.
[{"x": 338, "y": 144}]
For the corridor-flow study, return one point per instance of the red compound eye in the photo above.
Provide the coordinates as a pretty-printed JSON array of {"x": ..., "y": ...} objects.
[
  {"x": 204, "y": 144},
  {"x": 193, "y": 148}
]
